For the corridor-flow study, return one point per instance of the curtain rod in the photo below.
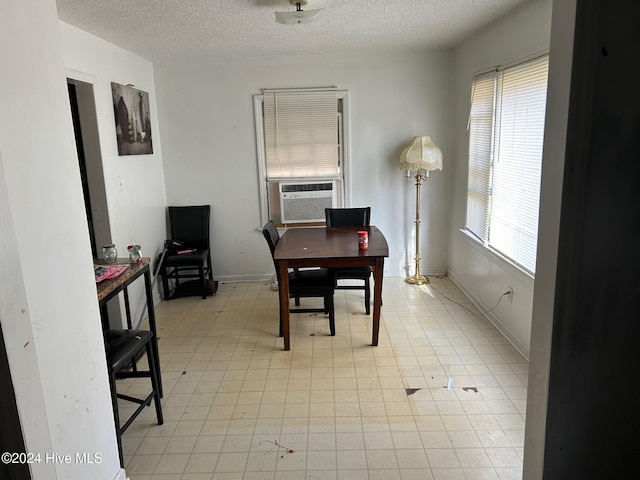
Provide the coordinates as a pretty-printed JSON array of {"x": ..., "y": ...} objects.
[
  {"x": 301, "y": 89},
  {"x": 497, "y": 68}
]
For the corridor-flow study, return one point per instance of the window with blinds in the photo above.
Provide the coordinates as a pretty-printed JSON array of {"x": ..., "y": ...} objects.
[
  {"x": 506, "y": 133},
  {"x": 301, "y": 134},
  {"x": 302, "y": 138}
]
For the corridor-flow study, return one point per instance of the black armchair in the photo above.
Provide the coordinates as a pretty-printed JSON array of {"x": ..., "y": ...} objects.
[
  {"x": 192, "y": 258},
  {"x": 305, "y": 283}
]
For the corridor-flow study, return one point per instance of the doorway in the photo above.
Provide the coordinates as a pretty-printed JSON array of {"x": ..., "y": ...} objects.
[
  {"x": 85, "y": 126},
  {"x": 77, "y": 130}
]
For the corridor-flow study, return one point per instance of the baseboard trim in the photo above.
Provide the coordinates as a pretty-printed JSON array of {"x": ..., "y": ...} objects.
[
  {"x": 495, "y": 321},
  {"x": 245, "y": 278}
]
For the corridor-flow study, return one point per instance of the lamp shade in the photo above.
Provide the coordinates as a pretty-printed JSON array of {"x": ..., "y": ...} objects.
[{"x": 421, "y": 154}]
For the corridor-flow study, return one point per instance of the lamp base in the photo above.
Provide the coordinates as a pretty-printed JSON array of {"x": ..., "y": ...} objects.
[{"x": 417, "y": 280}]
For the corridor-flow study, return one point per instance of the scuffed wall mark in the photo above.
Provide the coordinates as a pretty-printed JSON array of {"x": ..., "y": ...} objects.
[
  {"x": 74, "y": 406},
  {"x": 27, "y": 343}
]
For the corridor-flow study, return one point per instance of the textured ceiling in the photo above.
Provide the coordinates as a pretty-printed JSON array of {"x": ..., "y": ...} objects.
[{"x": 165, "y": 30}]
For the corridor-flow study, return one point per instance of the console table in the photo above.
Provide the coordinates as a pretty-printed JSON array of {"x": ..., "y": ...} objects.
[{"x": 110, "y": 288}]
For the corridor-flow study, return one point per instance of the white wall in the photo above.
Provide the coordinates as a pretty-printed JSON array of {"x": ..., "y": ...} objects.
[
  {"x": 134, "y": 184},
  {"x": 48, "y": 305},
  {"x": 16, "y": 325},
  {"x": 522, "y": 32},
  {"x": 209, "y": 152}
]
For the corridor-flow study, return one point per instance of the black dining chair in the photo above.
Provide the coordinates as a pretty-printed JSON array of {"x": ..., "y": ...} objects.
[
  {"x": 122, "y": 347},
  {"x": 189, "y": 256},
  {"x": 319, "y": 282},
  {"x": 352, "y": 217}
]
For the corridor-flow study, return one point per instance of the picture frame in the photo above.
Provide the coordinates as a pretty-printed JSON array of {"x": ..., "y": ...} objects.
[{"x": 132, "y": 119}]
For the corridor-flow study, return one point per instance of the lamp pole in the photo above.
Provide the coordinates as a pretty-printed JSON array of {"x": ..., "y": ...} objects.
[
  {"x": 421, "y": 156},
  {"x": 418, "y": 279}
]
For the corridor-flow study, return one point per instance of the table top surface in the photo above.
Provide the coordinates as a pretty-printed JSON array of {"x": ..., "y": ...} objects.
[
  {"x": 333, "y": 242},
  {"x": 105, "y": 287}
]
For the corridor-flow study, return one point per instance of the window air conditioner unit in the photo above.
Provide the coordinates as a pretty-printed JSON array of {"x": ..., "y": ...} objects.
[{"x": 305, "y": 202}]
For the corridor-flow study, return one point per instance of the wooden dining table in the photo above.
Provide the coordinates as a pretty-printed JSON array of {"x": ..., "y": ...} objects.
[{"x": 334, "y": 247}]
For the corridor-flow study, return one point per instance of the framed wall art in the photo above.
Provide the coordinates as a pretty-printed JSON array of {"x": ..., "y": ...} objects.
[{"x": 133, "y": 122}]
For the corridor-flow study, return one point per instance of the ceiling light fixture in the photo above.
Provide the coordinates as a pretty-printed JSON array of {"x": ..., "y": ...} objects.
[{"x": 299, "y": 16}]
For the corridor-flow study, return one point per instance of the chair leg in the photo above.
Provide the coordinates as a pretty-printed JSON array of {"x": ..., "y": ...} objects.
[
  {"x": 116, "y": 414},
  {"x": 297, "y": 299},
  {"x": 367, "y": 297},
  {"x": 209, "y": 267},
  {"x": 332, "y": 316},
  {"x": 202, "y": 281},
  {"x": 155, "y": 383},
  {"x": 165, "y": 282}
]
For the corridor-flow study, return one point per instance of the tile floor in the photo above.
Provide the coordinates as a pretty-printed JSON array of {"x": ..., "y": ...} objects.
[{"x": 237, "y": 406}]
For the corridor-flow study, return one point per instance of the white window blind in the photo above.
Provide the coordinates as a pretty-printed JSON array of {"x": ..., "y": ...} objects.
[
  {"x": 506, "y": 133},
  {"x": 301, "y": 134},
  {"x": 480, "y": 154}
]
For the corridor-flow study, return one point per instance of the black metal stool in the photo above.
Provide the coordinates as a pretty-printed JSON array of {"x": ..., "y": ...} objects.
[{"x": 123, "y": 347}]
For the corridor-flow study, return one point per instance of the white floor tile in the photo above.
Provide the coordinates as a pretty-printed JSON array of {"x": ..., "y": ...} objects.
[{"x": 442, "y": 397}]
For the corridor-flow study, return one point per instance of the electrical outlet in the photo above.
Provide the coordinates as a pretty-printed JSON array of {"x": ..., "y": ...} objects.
[{"x": 509, "y": 293}]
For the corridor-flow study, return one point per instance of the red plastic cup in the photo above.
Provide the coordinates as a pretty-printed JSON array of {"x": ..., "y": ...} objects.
[{"x": 363, "y": 239}]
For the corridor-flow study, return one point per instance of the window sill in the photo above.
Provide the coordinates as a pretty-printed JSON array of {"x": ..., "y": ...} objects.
[
  {"x": 499, "y": 259},
  {"x": 302, "y": 224}
]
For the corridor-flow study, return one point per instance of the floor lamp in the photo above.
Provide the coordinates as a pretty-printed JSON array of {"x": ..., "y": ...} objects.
[{"x": 421, "y": 156}]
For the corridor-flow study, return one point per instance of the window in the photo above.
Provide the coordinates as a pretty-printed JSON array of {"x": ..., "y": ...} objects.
[
  {"x": 506, "y": 132},
  {"x": 301, "y": 146},
  {"x": 301, "y": 134}
]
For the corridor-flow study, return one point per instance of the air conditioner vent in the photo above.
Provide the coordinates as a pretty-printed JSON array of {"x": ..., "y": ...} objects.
[
  {"x": 305, "y": 202},
  {"x": 305, "y": 187}
]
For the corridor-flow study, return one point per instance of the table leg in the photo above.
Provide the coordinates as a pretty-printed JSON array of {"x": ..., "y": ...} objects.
[
  {"x": 127, "y": 308},
  {"x": 284, "y": 301},
  {"x": 152, "y": 326},
  {"x": 104, "y": 316},
  {"x": 377, "y": 298}
]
